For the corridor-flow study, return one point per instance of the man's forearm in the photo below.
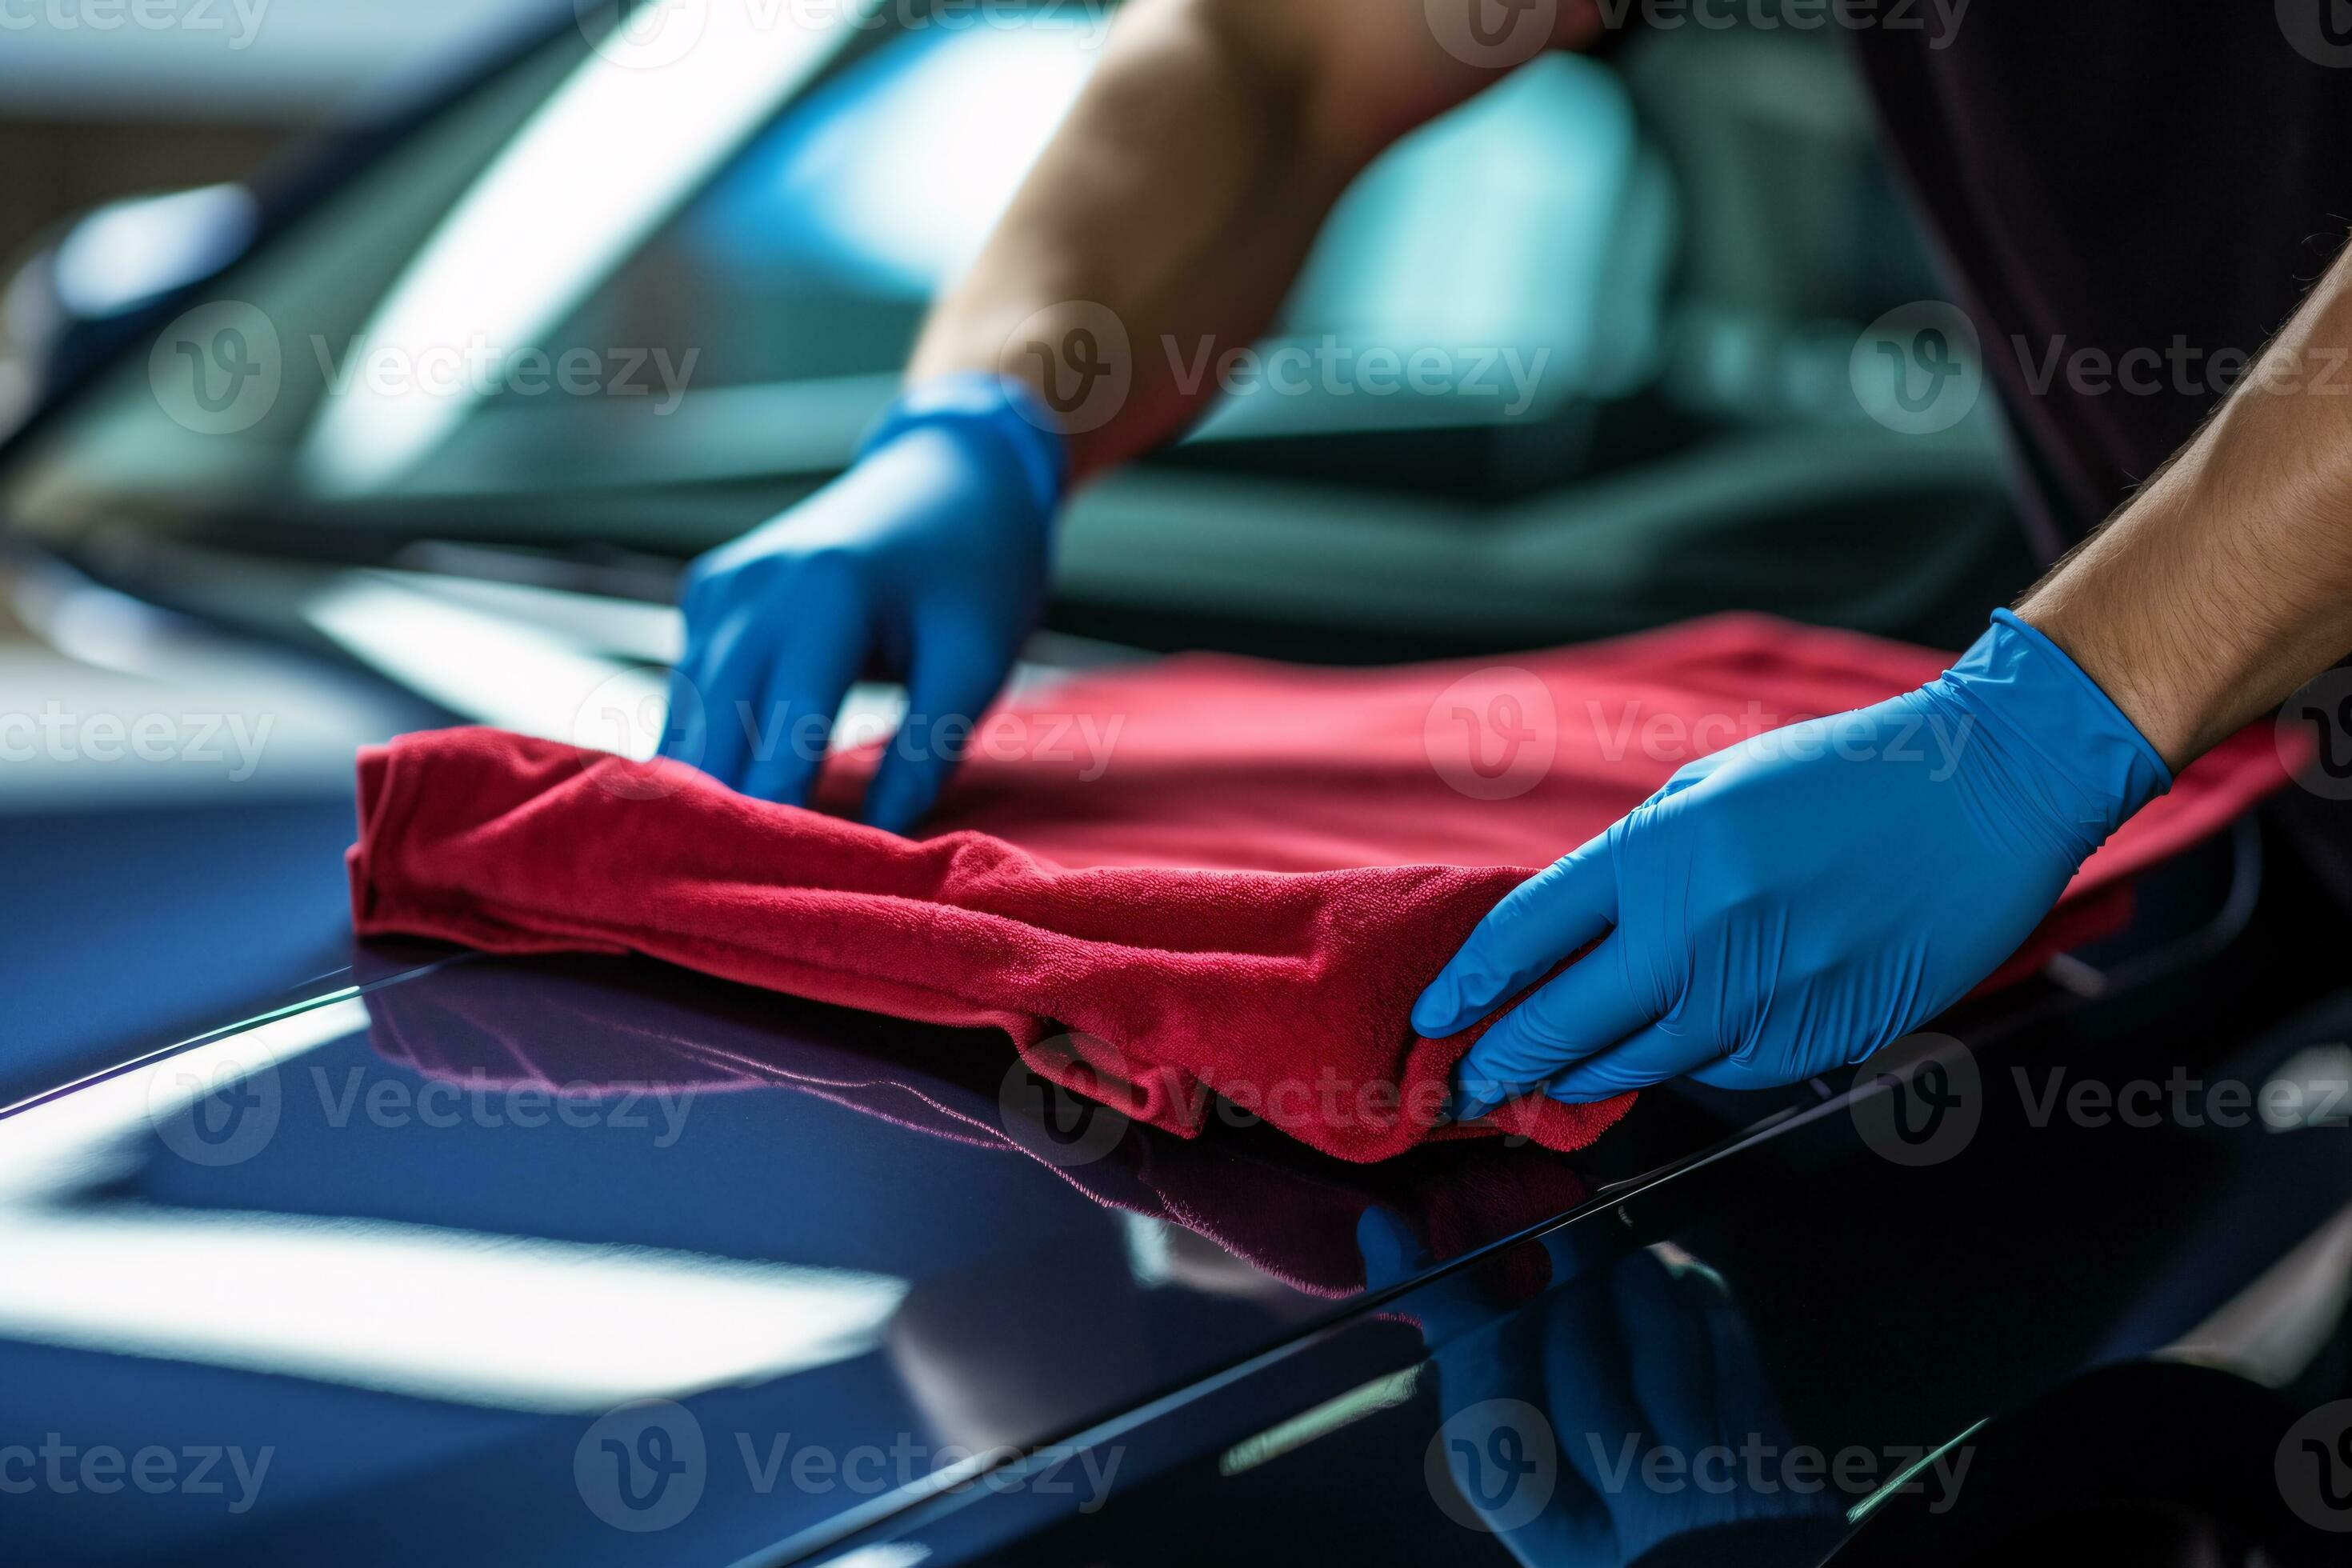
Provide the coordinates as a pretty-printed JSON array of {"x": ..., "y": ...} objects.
[
  {"x": 2227, "y": 582},
  {"x": 1181, "y": 196},
  {"x": 1185, "y": 192}
]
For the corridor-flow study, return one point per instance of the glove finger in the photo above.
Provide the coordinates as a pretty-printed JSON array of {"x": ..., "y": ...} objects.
[
  {"x": 1651, "y": 1056},
  {"x": 1671, "y": 1354},
  {"x": 728, "y": 677},
  {"x": 810, "y": 674},
  {"x": 1391, "y": 1253},
  {"x": 686, "y": 730},
  {"x": 1598, "y": 1421},
  {"x": 1587, "y": 1007},
  {"x": 956, "y": 674},
  {"x": 1537, "y": 924}
]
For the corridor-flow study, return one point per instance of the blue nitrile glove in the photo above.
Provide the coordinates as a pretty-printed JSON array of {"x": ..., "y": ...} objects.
[
  {"x": 927, "y": 561},
  {"x": 1618, "y": 1360},
  {"x": 1796, "y": 901}
]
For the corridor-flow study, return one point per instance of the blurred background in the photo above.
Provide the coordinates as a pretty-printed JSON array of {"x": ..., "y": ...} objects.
[
  {"x": 367, "y": 367},
  {"x": 93, "y": 109}
]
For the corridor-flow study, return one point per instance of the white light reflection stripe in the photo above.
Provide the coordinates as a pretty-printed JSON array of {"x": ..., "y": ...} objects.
[
  {"x": 605, "y": 161},
  {"x": 518, "y": 1323},
  {"x": 514, "y": 1323},
  {"x": 67, "y": 1143}
]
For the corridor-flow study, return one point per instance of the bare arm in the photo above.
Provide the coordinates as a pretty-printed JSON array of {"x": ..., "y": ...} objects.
[
  {"x": 2227, "y": 582},
  {"x": 1187, "y": 183},
  {"x": 1174, "y": 208}
]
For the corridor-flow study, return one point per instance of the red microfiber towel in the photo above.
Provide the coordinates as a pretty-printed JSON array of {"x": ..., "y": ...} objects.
[{"x": 1208, "y": 875}]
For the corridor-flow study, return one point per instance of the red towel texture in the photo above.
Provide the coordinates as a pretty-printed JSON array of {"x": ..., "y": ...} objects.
[{"x": 1205, "y": 885}]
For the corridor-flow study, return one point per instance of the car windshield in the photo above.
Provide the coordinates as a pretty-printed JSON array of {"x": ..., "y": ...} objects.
[
  {"x": 626, "y": 295},
  {"x": 594, "y": 272}
]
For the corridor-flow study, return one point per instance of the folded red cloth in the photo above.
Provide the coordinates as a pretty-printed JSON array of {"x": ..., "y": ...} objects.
[{"x": 1209, "y": 875}]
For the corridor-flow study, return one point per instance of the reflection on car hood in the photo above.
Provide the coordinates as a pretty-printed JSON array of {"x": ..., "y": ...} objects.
[{"x": 419, "y": 1239}]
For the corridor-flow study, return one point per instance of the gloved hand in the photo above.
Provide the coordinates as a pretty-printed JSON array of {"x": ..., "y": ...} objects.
[
  {"x": 1796, "y": 901},
  {"x": 1619, "y": 1359},
  {"x": 926, "y": 561}
]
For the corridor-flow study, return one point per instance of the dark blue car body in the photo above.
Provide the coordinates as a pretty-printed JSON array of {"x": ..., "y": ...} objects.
[{"x": 345, "y": 1252}]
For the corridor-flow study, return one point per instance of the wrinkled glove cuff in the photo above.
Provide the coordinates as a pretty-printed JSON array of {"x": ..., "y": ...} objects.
[
  {"x": 2093, "y": 768},
  {"x": 995, "y": 409}
]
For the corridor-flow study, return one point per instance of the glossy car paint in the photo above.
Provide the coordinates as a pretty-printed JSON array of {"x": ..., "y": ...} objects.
[
  {"x": 414, "y": 1225},
  {"x": 1030, "y": 1282}
]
